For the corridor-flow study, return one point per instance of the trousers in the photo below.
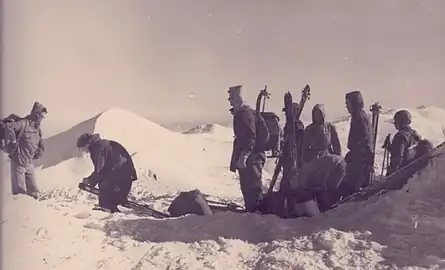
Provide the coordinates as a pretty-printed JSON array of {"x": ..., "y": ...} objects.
[{"x": 23, "y": 179}]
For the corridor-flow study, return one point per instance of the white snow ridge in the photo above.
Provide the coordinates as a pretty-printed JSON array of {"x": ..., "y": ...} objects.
[{"x": 399, "y": 230}]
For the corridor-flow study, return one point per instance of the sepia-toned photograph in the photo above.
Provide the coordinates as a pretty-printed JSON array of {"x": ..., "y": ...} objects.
[{"x": 222, "y": 135}]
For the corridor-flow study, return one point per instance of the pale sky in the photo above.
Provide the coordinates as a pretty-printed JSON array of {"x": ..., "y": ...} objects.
[{"x": 174, "y": 60}]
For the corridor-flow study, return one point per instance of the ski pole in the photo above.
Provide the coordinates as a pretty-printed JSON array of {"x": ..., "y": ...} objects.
[
  {"x": 385, "y": 146},
  {"x": 383, "y": 163}
]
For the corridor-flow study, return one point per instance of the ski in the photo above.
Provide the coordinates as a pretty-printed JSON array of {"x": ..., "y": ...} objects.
[
  {"x": 305, "y": 95},
  {"x": 128, "y": 204},
  {"x": 395, "y": 179},
  {"x": 375, "y": 109}
]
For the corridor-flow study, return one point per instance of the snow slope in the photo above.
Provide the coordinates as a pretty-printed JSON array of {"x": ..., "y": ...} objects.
[{"x": 61, "y": 231}]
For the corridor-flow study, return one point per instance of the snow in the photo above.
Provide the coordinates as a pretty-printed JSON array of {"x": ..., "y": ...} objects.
[{"x": 400, "y": 230}]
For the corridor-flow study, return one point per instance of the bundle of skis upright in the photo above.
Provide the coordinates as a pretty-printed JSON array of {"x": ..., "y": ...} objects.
[
  {"x": 290, "y": 121},
  {"x": 375, "y": 109}
]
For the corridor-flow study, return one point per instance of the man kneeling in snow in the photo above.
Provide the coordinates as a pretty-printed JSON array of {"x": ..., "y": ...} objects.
[
  {"x": 320, "y": 180},
  {"x": 113, "y": 170}
]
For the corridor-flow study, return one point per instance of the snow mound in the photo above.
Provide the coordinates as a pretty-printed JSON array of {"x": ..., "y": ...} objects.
[
  {"x": 410, "y": 222},
  {"x": 164, "y": 159},
  {"x": 399, "y": 230}
]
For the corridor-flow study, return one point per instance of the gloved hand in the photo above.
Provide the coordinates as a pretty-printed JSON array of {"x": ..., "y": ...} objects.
[
  {"x": 242, "y": 161},
  {"x": 12, "y": 147},
  {"x": 86, "y": 181},
  {"x": 38, "y": 154}
]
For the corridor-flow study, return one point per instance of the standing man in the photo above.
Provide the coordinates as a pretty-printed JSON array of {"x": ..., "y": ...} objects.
[
  {"x": 360, "y": 157},
  {"x": 113, "y": 170},
  {"x": 246, "y": 158},
  {"x": 403, "y": 146},
  {"x": 24, "y": 144},
  {"x": 320, "y": 137}
]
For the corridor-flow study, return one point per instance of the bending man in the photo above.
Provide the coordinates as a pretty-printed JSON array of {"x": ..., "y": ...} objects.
[{"x": 113, "y": 170}]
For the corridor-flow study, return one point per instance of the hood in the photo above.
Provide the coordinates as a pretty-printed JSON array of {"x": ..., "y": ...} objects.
[
  {"x": 95, "y": 138},
  {"x": 38, "y": 108},
  {"x": 356, "y": 99},
  {"x": 319, "y": 108}
]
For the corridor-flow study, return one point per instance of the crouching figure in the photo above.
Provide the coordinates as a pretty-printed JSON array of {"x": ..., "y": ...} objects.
[
  {"x": 319, "y": 180},
  {"x": 114, "y": 170}
]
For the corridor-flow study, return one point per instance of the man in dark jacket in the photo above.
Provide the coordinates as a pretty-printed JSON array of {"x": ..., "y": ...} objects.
[
  {"x": 320, "y": 180},
  {"x": 403, "y": 146},
  {"x": 246, "y": 158},
  {"x": 113, "y": 170},
  {"x": 359, "y": 157},
  {"x": 24, "y": 144},
  {"x": 321, "y": 137}
]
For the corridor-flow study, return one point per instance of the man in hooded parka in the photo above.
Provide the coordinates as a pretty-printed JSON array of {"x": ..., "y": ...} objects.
[
  {"x": 24, "y": 144},
  {"x": 360, "y": 157},
  {"x": 321, "y": 137}
]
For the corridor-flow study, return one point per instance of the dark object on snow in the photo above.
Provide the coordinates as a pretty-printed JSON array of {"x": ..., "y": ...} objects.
[
  {"x": 225, "y": 207},
  {"x": 143, "y": 209},
  {"x": 189, "y": 202}
]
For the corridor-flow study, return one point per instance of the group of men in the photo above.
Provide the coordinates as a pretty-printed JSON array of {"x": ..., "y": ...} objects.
[
  {"x": 114, "y": 171},
  {"x": 323, "y": 174}
]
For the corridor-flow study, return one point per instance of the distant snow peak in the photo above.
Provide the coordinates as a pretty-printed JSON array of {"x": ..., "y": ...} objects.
[{"x": 204, "y": 128}]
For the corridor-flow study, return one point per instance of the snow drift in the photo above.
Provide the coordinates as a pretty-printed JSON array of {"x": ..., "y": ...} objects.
[
  {"x": 155, "y": 149},
  {"x": 399, "y": 229}
]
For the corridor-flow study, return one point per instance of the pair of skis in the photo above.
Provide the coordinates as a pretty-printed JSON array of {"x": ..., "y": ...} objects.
[
  {"x": 290, "y": 142},
  {"x": 375, "y": 109},
  {"x": 141, "y": 208},
  {"x": 147, "y": 210}
]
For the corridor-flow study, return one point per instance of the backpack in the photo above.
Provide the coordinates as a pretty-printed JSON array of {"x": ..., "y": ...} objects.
[
  {"x": 271, "y": 120},
  {"x": 418, "y": 147},
  {"x": 262, "y": 133},
  {"x": 3, "y": 124},
  {"x": 417, "y": 150},
  {"x": 190, "y": 202}
]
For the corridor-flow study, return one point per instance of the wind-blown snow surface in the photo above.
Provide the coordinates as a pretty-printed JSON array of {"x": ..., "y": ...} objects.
[{"x": 398, "y": 230}]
